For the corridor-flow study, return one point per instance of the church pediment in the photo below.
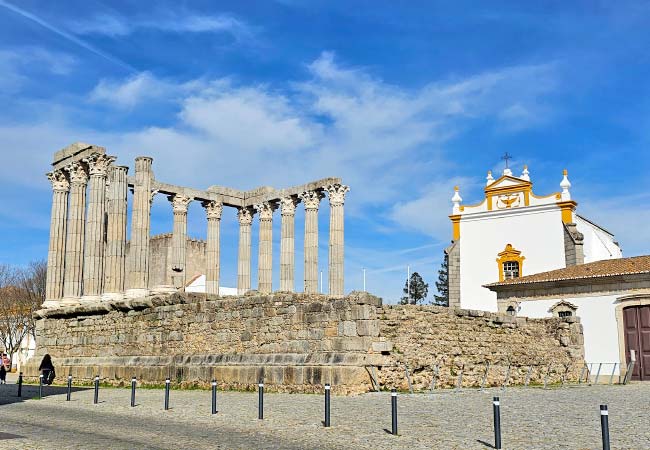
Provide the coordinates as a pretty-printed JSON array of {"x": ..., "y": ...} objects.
[{"x": 507, "y": 182}]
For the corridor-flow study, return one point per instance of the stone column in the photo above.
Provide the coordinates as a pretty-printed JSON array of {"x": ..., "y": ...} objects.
[
  {"x": 75, "y": 233},
  {"x": 115, "y": 257},
  {"x": 336, "y": 194},
  {"x": 138, "y": 275},
  {"x": 56, "y": 252},
  {"x": 93, "y": 267},
  {"x": 287, "y": 243},
  {"x": 213, "y": 212},
  {"x": 265, "y": 255},
  {"x": 245, "y": 216},
  {"x": 311, "y": 200},
  {"x": 179, "y": 239}
]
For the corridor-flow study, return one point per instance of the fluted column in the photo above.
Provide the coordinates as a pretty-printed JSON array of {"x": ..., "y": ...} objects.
[
  {"x": 336, "y": 193},
  {"x": 179, "y": 239},
  {"x": 115, "y": 257},
  {"x": 265, "y": 249},
  {"x": 74, "y": 245},
  {"x": 138, "y": 275},
  {"x": 311, "y": 200},
  {"x": 245, "y": 216},
  {"x": 56, "y": 251},
  {"x": 287, "y": 243},
  {"x": 93, "y": 265},
  {"x": 213, "y": 212}
]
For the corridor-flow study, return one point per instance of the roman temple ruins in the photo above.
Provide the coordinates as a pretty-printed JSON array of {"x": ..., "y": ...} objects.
[{"x": 87, "y": 258}]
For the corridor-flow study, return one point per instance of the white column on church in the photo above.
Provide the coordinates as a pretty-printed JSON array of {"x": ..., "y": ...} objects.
[
  {"x": 245, "y": 216},
  {"x": 311, "y": 200},
  {"x": 74, "y": 246},
  {"x": 336, "y": 193},
  {"x": 213, "y": 210},
  {"x": 56, "y": 251},
  {"x": 179, "y": 239},
  {"x": 265, "y": 248},
  {"x": 115, "y": 256},
  {"x": 287, "y": 243}
]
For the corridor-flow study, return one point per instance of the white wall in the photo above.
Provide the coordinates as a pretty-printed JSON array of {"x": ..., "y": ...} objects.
[
  {"x": 598, "y": 244},
  {"x": 536, "y": 231},
  {"x": 198, "y": 285},
  {"x": 598, "y": 318}
]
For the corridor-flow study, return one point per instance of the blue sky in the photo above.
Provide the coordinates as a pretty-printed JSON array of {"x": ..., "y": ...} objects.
[{"x": 402, "y": 102}]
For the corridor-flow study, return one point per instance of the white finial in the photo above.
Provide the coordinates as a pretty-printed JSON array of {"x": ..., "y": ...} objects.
[
  {"x": 456, "y": 199},
  {"x": 525, "y": 175},
  {"x": 565, "y": 185},
  {"x": 489, "y": 179},
  {"x": 507, "y": 171}
]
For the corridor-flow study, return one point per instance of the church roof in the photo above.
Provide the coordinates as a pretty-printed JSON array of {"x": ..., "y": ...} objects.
[{"x": 596, "y": 269}]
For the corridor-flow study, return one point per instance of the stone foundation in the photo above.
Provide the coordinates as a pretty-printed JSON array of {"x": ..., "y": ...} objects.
[{"x": 296, "y": 342}]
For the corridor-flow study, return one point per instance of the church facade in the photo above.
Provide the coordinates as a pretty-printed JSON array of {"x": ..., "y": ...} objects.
[{"x": 512, "y": 232}]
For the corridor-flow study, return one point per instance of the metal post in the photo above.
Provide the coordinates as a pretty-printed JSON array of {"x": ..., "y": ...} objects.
[
  {"x": 20, "y": 384},
  {"x": 496, "y": 406},
  {"x": 260, "y": 401},
  {"x": 69, "y": 393},
  {"x": 133, "y": 382},
  {"x": 214, "y": 396},
  {"x": 96, "y": 398},
  {"x": 604, "y": 425},
  {"x": 327, "y": 405},
  {"x": 167, "y": 386},
  {"x": 393, "y": 410},
  {"x": 485, "y": 375},
  {"x": 611, "y": 377},
  {"x": 630, "y": 367},
  {"x": 40, "y": 386},
  {"x": 530, "y": 372},
  {"x": 600, "y": 365},
  {"x": 505, "y": 382}
]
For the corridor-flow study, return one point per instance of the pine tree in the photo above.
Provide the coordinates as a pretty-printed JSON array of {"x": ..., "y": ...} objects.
[
  {"x": 418, "y": 290},
  {"x": 442, "y": 298}
]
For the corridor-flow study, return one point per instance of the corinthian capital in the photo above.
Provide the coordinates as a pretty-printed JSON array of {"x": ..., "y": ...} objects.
[
  {"x": 311, "y": 199},
  {"x": 213, "y": 209},
  {"x": 245, "y": 216},
  {"x": 288, "y": 205},
  {"x": 336, "y": 193},
  {"x": 180, "y": 203},
  {"x": 265, "y": 210},
  {"x": 59, "y": 181},
  {"x": 78, "y": 174},
  {"x": 99, "y": 164}
]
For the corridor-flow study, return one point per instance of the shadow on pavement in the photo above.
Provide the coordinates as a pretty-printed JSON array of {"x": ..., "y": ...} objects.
[{"x": 9, "y": 392}]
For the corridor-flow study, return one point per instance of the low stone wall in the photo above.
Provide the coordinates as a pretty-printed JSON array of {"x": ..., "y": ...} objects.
[{"x": 296, "y": 342}]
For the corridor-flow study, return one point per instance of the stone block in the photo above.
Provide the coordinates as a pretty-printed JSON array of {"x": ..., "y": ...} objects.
[
  {"x": 382, "y": 346},
  {"x": 367, "y": 327},
  {"x": 347, "y": 328}
]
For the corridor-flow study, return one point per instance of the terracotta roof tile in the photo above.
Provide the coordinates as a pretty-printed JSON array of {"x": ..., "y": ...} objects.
[{"x": 596, "y": 269}]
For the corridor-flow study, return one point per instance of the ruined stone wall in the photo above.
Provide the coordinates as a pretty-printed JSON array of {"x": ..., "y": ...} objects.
[{"x": 297, "y": 342}]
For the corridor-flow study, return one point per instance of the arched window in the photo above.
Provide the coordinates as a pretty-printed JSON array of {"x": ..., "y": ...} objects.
[{"x": 510, "y": 263}]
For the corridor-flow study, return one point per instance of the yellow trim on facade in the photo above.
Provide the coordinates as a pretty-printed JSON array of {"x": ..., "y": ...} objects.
[
  {"x": 510, "y": 254},
  {"x": 455, "y": 225},
  {"x": 567, "y": 207}
]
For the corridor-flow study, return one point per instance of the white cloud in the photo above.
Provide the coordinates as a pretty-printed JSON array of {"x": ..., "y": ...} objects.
[{"x": 15, "y": 63}]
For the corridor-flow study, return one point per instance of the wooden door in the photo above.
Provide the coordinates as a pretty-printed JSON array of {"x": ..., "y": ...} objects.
[{"x": 636, "y": 320}]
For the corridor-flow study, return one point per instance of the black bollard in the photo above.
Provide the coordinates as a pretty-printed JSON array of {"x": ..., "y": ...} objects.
[
  {"x": 393, "y": 410},
  {"x": 69, "y": 393},
  {"x": 214, "y": 396},
  {"x": 20, "y": 384},
  {"x": 604, "y": 425},
  {"x": 260, "y": 401},
  {"x": 96, "y": 397},
  {"x": 327, "y": 405},
  {"x": 497, "y": 422},
  {"x": 40, "y": 386},
  {"x": 167, "y": 387},
  {"x": 133, "y": 383}
]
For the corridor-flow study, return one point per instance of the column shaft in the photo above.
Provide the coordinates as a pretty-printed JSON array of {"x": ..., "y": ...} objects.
[
  {"x": 336, "y": 194},
  {"x": 287, "y": 244},
  {"x": 213, "y": 212},
  {"x": 244, "y": 258},
  {"x": 75, "y": 232},
  {"x": 265, "y": 249},
  {"x": 93, "y": 268},
  {"x": 311, "y": 200},
  {"x": 138, "y": 275},
  {"x": 56, "y": 251},
  {"x": 179, "y": 239},
  {"x": 115, "y": 257}
]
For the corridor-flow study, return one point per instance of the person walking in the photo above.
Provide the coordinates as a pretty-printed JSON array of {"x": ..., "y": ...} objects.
[
  {"x": 3, "y": 374},
  {"x": 47, "y": 369}
]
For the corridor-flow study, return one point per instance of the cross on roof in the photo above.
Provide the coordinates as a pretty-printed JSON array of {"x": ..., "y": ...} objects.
[{"x": 506, "y": 156}]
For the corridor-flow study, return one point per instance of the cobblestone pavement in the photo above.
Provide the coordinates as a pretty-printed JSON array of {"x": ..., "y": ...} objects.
[{"x": 532, "y": 418}]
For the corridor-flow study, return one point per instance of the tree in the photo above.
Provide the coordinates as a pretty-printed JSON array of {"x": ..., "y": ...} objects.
[
  {"x": 32, "y": 280},
  {"x": 416, "y": 290},
  {"x": 442, "y": 298},
  {"x": 15, "y": 316}
]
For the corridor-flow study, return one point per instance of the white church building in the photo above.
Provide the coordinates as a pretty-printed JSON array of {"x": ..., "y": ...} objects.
[{"x": 513, "y": 232}]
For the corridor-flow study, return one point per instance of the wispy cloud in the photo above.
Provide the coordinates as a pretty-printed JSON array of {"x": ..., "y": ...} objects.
[
  {"x": 64, "y": 34},
  {"x": 164, "y": 21},
  {"x": 16, "y": 62}
]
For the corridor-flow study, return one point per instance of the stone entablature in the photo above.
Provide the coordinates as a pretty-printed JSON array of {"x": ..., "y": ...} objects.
[
  {"x": 297, "y": 342},
  {"x": 87, "y": 259}
]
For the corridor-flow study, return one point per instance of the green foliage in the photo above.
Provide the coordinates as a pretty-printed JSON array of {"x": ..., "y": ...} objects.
[
  {"x": 418, "y": 290},
  {"x": 442, "y": 297}
]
